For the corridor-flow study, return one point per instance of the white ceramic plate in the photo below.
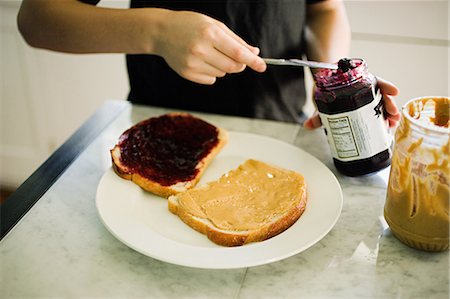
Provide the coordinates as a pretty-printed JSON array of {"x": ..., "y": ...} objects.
[{"x": 143, "y": 222}]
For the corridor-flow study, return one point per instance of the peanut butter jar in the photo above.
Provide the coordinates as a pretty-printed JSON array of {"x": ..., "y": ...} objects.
[{"x": 417, "y": 202}]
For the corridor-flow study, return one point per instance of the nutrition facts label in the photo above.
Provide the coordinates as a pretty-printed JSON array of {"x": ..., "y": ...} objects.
[
  {"x": 357, "y": 134},
  {"x": 343, "y": 137}
]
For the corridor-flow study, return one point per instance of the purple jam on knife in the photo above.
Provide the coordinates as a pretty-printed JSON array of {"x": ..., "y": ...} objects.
[
  {"x": 167, "y": 149},
  {"x": 345, "y": 64}
]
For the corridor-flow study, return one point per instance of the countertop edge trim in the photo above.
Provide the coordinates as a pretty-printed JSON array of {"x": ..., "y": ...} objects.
[{"x": 29, "y": 192}]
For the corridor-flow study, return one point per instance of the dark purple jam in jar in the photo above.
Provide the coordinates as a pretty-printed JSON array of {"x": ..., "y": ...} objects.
[{"x": 352, "y": 113}]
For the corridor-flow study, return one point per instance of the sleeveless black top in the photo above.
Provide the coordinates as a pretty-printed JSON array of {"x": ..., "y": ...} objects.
[{"x": 275, "y": 26}]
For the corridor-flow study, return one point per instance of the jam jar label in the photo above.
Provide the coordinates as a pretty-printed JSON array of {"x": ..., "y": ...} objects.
[{"x": 358, "y": 134}]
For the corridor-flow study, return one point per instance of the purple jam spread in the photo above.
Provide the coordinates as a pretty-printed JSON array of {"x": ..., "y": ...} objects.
[{"x": 167, "y": 149}]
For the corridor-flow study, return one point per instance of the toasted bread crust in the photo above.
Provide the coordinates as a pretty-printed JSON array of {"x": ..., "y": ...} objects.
[
  {"x": 234, "y": 238},
  {"x": 154, "y": 187}
]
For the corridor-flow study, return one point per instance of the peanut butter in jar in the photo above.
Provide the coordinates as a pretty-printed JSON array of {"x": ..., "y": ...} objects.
[{"x": 417, "y": 202}]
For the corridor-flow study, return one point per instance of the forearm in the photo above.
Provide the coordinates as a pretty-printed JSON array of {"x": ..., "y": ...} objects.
[
  {"x": 74, "y": 27},
  {"x": 327, "y": 31},
  {"x": 197, "y": 47}
]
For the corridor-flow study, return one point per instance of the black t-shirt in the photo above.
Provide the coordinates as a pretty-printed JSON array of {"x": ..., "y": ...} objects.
[{"x": 275, "y": 26}]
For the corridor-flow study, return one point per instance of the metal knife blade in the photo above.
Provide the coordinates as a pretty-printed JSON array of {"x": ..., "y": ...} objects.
[{"x": 299, "y": 62}]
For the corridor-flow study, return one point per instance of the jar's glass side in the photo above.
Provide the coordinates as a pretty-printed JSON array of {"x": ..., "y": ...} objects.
[{"x": 417, "y": 201}]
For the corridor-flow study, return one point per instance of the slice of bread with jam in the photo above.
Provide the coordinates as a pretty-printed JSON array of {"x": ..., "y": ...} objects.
[{"x": 167, "y": 154}]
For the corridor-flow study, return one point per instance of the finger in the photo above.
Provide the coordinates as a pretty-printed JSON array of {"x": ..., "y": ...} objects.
[
  {"x": 254, "y": 50},
  {"x": 387, "y": 87},
  {"x": 210, "y": 70},
  {"x": 201, "y": 72},
  {"x": 236, "y": 51},
  {"x": 391, "y": 108},
  {"x": 313, "y": 122},
  {"x": 201, "y": 79},
  {"x": 223, "y": 62},
  {"x": 392, "y": 123},
  {"x": 394, "y": 117}
]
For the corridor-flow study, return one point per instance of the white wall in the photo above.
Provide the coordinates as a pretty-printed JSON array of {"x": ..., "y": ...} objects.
[
  {"x": 406, "y": 42},
  {"x": 46, "y": 96}
]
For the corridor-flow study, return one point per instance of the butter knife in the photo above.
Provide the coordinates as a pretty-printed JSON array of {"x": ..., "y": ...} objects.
[{"x": 299, "y": 62}]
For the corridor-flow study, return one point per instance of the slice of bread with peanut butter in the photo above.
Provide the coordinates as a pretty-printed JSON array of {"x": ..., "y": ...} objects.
[{"x": 251, "y": 203}]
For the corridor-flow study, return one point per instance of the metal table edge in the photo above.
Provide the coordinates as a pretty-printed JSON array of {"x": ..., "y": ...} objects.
[{"x": 33, "y": 188}]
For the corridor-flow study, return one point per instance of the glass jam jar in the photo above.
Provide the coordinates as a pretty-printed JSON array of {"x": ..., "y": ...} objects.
[
  {"x": 417, "y": 201},
  {"x": 352, "y": 113}
]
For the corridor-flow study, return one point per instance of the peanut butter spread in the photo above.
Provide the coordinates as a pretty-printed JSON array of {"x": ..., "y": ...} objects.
[
  {"x": 417, "y": 203},
  {"x": 246, "y": 198}
]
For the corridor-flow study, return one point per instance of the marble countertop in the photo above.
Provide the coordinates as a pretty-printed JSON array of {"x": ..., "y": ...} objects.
[{"x": 61, "y": 249}]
